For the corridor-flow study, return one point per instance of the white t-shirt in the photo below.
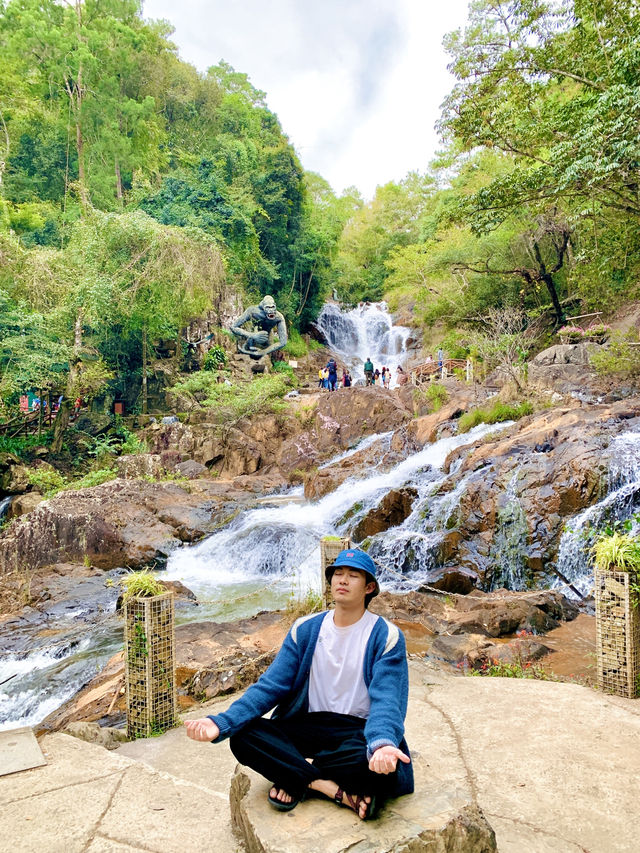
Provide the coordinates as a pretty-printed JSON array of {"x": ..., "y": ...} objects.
[{"x": 336, "y": 682}]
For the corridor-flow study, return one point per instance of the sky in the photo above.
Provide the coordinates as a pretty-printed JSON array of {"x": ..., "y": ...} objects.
[{"x": 357, "y": 84}]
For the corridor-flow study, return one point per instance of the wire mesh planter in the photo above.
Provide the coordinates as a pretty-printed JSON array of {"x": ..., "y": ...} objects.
[
  {"x": 330, "y": 547},
  {"x": 149, "y": 649},
  {"x": 617, "y": 632}
]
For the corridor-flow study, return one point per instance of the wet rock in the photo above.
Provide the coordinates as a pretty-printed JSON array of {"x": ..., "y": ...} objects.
[
  {"x": 392, "y": 510},
  {"x": 456, "y": 580},
  {"x": 516, "y": 495},
  {"x": 22, "y": 504},
  {"x": 120, "y": 523},
  {"x": 459, "y": 648},
  {"x": 518, "y": 651}
]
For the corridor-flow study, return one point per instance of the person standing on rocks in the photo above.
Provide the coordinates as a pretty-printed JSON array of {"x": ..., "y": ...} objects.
[
  {"x": 368, "y": 371},
  {"x": 340, "y": 687}
]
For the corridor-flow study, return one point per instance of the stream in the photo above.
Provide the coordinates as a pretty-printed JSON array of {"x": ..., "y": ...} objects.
[{"x": 49, "y": 653}]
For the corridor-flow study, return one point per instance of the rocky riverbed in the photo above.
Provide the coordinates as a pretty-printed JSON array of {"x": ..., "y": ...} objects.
[{"x": 515, "y": 491}]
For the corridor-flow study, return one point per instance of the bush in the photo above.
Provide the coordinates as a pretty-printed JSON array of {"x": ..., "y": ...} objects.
[
  {"x": 283, "y": 367},
  {"x": 21, "y": 445},
  {"x": 46, "y": 481},
  {"x": 297, "y": 346},
  {"x": 437, "y": 395},
  {"x": 619, "y": 360},
  {"x": 498, "y": 413},
  {"x": 215, "y": 359},
  {"x": 616, "y": 552},
  {"x": 234, "y": 401}
]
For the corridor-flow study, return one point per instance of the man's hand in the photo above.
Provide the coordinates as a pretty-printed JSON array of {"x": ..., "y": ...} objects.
[
  {"x": 205, "y": 729},
  {"x": 385, "y": 759}
]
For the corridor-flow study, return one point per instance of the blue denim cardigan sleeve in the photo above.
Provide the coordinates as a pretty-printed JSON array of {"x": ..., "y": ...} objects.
[{"x": 285, "y": 679}]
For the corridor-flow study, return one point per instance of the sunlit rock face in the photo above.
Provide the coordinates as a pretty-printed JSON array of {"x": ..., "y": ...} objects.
[{"x": 523, "y": 488}]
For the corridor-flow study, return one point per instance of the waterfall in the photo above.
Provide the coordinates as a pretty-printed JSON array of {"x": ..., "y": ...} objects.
[
  {"x": 366, "y": 331},
  {"x": 509, "y": 545},
  {"x": 279, "y": 546},
  {"x": 5, "y": 503},
  {"x": 620, "y": 504}
]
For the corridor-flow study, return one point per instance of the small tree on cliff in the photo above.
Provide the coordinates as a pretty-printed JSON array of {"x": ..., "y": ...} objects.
[{"x": 501, "y": 342}]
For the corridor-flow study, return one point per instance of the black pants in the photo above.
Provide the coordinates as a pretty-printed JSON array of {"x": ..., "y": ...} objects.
[{"x": 277, "y": 749}]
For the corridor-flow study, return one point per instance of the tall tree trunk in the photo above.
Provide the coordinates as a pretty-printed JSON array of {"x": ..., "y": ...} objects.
[
  {"x": 60, "y": 424},
  {"x": 75, "y": 355},
  {"x": 546, "y": 276},
  {"x": 144, "y": 372}
]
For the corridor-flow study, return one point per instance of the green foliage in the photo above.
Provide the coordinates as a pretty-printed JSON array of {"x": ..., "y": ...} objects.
[
  {"x": 616, "y": 551},
  {"x": 22, "y": 445},
  {"x": 93, "y": 478},
  {"x": 437, "y": 396},
  {"x": 517, "y": 669},
  {"x": 132, "y": 444},
  {"x": 297, "y": 346},
  {"x": 498, "y": 413},
  {"x": 620, "y": 359},
  {"x": 234, "y": 401},
  {"x": 283, "y": 367},
  {"x": 215, "y": 358},
  {"x": 140, "y": 584},
  {"x": 49, "y": 482},
  {"x": 46, "y": 481}
]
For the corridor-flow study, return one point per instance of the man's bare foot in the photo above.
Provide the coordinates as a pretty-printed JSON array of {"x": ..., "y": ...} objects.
[
  {"x": 360, "y": 805},
  {"x": 280, "y": 795}
]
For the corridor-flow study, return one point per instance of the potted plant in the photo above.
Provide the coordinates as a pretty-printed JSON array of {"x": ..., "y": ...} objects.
[
  {"x": 570, "y": 334},
  {"x": 616, "y": 557},
  {"x": 597, "y": 332}
]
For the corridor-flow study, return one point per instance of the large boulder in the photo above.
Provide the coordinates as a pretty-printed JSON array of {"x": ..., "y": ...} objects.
[
  {"x": 119, "y": 523},
  {"x": 523, "y": 485},
  {"x": 565, "y": 369},
  {"x": 392, "y": 510}
]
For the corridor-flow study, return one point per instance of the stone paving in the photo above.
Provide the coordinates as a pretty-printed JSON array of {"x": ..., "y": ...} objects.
[{"x": 552, "y": 767}]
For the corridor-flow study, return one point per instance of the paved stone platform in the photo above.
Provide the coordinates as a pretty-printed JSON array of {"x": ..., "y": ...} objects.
[{"x": 553, "y": 767}]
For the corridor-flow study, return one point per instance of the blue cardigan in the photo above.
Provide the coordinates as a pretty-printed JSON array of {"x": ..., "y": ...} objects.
[{"x": 285, "y": 686}]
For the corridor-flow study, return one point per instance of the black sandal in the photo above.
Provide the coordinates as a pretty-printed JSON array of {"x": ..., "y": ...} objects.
[
  {"x": 354, "y": 805},
  {"x": 279, "y": 805}
]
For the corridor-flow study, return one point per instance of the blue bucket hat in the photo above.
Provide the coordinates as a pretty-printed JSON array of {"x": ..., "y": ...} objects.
[{"x": 355, "y": 559}]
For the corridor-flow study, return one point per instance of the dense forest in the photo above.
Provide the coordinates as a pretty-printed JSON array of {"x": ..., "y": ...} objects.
[{"x": 134, "y": 190}]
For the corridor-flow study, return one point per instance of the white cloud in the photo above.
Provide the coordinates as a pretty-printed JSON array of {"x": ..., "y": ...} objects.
[{"x": 356, "y": 84}]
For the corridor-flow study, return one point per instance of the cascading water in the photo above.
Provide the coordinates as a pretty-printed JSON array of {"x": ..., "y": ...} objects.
[
  {"x": 621, "y": 503},
  {"x": 280, "y": 545},
  {"x": 5, "y": 503},
  {"x": 366, "y": 331},
  {"x": 509, "y": 545},
  {"x": 252, "y": 564}
]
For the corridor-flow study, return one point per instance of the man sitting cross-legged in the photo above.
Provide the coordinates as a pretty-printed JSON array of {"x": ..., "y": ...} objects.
[{"x": 339, "y": 685}]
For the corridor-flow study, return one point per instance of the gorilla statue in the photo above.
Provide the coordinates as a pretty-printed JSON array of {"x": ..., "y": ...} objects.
[{"x": 264, "y": 318}]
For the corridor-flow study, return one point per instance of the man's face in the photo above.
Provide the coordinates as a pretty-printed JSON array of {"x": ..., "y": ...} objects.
[{"x": 350, "y": 585}]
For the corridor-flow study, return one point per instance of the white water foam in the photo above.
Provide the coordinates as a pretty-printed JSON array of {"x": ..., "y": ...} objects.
[
  {"x": 275, "y": 544},
  {"x": 619, "y": 504}
]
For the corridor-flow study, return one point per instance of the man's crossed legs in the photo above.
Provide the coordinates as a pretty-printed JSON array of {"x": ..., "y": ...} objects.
[{"x": 278, "y": 750}]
